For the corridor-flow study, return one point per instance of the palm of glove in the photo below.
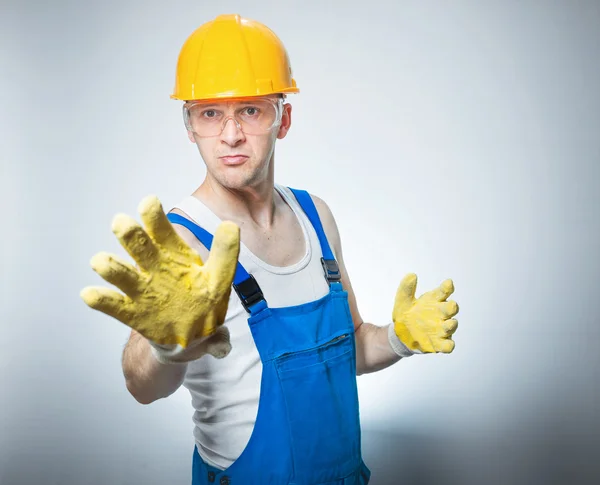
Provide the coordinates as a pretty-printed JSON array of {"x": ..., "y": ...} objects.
[
  {"x": 173, "y": 298},
  {"x": 424, "y": 324}
]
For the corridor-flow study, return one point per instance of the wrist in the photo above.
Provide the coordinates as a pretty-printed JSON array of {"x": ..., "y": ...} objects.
[
  {"x": 396, "y": 344},
  {"x": 167, "y": 354}
]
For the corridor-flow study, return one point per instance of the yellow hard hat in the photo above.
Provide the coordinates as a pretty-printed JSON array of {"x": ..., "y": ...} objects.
[{"x": 232, "y": 57}]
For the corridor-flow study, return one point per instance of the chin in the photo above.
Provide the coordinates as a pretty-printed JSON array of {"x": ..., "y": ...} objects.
[{"x": 237, "y": 181}]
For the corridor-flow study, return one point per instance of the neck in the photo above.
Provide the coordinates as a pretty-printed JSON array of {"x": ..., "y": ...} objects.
[{"x": 254, "y": 203}]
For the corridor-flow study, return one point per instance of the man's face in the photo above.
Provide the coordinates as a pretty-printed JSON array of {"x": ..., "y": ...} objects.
[{"x": 238, "y": 156}]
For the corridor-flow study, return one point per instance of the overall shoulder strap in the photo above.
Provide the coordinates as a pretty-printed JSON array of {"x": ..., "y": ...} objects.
[{"x": 330, "y": 266}]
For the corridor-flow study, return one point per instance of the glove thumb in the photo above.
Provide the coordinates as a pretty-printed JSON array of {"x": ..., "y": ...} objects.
[{"x": 405, "y": 295}]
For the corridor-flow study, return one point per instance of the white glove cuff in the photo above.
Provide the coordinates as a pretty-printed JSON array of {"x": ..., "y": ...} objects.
[
  {"x": 166, "y": 354},
  {"x": 396, "y": 344}
]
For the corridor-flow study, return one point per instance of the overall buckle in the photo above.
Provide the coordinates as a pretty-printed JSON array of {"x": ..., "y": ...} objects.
[
  {"x": 249, "y": 292},
  {"x": 332, "y": 270}
]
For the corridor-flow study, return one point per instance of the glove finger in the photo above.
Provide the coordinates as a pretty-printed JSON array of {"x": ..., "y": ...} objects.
[
  {"x": 223, "y": 257},
  {"x": 444, "y": 345},
  {"x": 449, "y": 327},
  {"x": 442, "y": 292},
  {"x": 118, "y": 272},
  {"x": 448, "y": 308},
  {"x": 110, "y": 302},
  {"x": 159, "y": 227},
  {"x": 136, "y": 241}
]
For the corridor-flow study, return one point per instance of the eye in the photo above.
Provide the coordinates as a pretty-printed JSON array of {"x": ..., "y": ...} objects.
[
  {"x": 209, "y": 113},
  {"x": 251, "y": 110}
]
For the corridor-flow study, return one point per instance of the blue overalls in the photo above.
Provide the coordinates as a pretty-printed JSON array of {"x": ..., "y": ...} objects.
[{"x": 307, "y": 430}]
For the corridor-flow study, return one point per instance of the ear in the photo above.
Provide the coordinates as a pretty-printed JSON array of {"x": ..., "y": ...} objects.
[
  {"x": 191, "y": 136},
  {"x": 286, "y": 121}
]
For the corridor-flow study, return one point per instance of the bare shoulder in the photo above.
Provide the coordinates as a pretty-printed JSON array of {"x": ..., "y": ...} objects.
[
  {"x": 329, "y": 224},
  {"x": 322, "y": 206}
]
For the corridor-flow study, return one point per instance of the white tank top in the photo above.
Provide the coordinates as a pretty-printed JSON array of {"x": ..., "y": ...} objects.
[{"x": 225, "y": 392}]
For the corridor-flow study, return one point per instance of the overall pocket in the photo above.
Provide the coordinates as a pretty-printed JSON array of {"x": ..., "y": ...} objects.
[{"x": 321, "y": 398}]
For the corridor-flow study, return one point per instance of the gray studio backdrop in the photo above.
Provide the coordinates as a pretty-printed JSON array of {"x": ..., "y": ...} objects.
[{"x": 453, "y": 139}]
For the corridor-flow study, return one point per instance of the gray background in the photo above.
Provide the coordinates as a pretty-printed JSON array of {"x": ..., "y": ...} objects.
[{"x": 453, "y": 139}]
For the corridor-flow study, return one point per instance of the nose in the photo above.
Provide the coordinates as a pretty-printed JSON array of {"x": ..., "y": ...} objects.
[{"x": 232, "y": 133}]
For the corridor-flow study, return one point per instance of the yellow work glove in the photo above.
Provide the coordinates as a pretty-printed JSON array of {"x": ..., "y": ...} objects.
[
  {"x": 425, "y": 324},
  {"x": 174, "y": 300}
]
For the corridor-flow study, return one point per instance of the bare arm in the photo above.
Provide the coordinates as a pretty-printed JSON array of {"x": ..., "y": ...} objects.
[
  {"x": 146, "y": 378},
  {"x": 373, "y": 349}
]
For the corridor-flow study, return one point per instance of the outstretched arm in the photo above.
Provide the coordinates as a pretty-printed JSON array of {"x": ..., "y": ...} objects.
[{"x": 422, "y": 325}]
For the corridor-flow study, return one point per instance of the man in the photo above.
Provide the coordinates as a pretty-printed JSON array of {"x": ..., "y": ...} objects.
[{"x": 271, "y": 366}]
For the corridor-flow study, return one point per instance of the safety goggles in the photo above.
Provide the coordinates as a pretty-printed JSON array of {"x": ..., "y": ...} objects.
[{"x": 255, "y": 116}]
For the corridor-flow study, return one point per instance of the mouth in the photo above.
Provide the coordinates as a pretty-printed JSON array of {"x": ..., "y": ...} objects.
[{"x": 233, "y": 159}]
